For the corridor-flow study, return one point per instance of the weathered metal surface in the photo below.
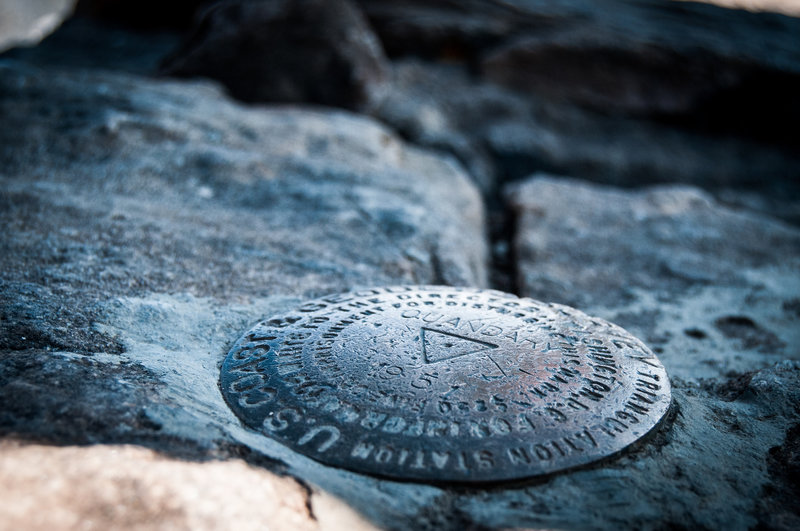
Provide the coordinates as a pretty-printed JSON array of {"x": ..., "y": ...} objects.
[{"x": 445, "y": 384}]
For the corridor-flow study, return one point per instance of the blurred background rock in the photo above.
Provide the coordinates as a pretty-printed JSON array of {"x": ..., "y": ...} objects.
[{"x": 629, "y": 94}]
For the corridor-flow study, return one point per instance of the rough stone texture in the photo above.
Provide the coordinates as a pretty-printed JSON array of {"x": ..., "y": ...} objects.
[
  {"x": 500, "y": 135},
  {"x": 717, "y": 462},
  {"x": 315, "y": 51},
  {"x": 118, "y": 186},
  {"x": 713, "y": 290},
  {"x": 124, "y": 487},
  {"x": 715, "y": 293},
  {"x": 441, "y": 108},
  {"x": 144, "y": 215},
  {"x": 148, "y": 223},
  {"x": 202, "y": 196}
]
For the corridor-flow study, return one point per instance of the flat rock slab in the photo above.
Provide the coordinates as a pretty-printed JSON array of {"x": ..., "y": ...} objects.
[
  {"x": 693, "y": 279},
  {"x": 150, "y": 223},
  {"x": 162, "y": 392},
  {"x": 163, "y": 202},
  {"x": 115, "y": 185},
  {"x": 713, "y": 291}
]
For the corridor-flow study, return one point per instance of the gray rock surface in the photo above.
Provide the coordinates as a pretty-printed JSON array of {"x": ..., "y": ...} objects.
[
  {"x": 715, "y": 293},
  {"x": 148, "y": 223},
  {"x": 311, "y": 51},
  {"x": 719, "y": 461},
  {"x": 500, "y": 135},
  {"x": 116, "y": 186},
  {"x": 712, "y": 290},
  {"x": 268, "y": 188}
]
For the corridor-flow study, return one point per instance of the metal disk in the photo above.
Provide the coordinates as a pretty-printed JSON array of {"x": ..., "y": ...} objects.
[{"x": 445, "y": 384}]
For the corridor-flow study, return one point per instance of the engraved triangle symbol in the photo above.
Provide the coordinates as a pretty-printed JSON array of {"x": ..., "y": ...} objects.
[{"x": 439, "y": 346}]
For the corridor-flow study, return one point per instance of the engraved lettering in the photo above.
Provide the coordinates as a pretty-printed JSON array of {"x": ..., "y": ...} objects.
[
  {"x": 383, "y": 455},
  {"x": 440, "y": 459},
  {"x": 446, "y": 384},
  {"x": 372, "y": 420},
  {"x": 518, "y": 456},
  {"x": 362, "y": 450},
  {"x": 332, "y": 436},
  {"x": 394, "y": 425},
  {"x": 485, "y": 459},
  {"x": 281, "y": 420},
  {"x": 542, "y": 452}
]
